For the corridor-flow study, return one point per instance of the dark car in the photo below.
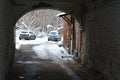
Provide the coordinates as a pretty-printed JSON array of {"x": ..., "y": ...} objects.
[
  {"x": 54, "y": 36},
  {"x": 27, "y": 35}
]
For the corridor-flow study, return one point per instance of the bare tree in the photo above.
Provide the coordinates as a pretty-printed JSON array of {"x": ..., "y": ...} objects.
[{"x": 38, "y": 20}]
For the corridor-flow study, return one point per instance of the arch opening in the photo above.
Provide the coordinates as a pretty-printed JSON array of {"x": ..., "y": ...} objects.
[{"x": 40, "y": 48}]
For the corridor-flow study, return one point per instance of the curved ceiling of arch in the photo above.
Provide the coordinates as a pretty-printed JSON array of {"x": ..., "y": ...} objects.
[{"x": 60, "y": 4}]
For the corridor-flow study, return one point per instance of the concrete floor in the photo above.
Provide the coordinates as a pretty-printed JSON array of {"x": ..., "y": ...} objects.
[
  {"x": 29, "y": 68},
  {"x": 44, "y": 71}
]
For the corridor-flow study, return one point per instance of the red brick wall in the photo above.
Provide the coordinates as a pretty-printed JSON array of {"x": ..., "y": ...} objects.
[{"x": 65, "y": 31}]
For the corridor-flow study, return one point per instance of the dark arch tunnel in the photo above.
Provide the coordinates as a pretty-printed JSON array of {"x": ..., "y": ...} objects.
[{"x": 99, "y": 18}]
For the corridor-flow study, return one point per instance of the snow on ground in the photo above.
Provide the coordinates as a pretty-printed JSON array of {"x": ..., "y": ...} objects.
[
  {"x": 48, "y": 50},
  {"x": 36, "y": 41},
  {"x": 53, "y": 52}
]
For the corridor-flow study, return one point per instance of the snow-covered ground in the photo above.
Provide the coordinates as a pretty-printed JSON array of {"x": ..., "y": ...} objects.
[
  {"x": 36, "y": 41},
  {"x": 52, "y": 52}
]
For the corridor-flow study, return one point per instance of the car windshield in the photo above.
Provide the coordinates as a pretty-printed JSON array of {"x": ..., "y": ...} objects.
[{"x": 53, "y": 33}]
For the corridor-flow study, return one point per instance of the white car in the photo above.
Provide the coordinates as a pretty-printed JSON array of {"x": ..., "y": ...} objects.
[{"x": 27, "y": 35}]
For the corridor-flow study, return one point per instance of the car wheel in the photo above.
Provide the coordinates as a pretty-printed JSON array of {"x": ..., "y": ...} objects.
[{"x": 57, "y": 40}]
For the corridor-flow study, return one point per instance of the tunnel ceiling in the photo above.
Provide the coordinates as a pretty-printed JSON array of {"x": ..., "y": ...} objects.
[
  {"x": 76, "y": 8},
  {"x": 47, "y": 1},
  {"x": 67, "y": 5}
]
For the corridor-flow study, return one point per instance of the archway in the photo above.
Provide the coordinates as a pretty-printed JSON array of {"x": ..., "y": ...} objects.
[
  {"x": 97, "y": 17},
  {"x": 70, "y": 23}
]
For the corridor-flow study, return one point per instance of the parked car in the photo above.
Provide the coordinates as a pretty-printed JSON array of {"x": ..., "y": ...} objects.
[
  {"x": 54, "y": 36},
  {"x": 27, "y": 35}
]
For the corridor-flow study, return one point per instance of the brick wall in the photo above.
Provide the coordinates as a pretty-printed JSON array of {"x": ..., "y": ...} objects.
[
  {"x": 103, "y": 38},
  {"x": 66, "y": 33}
]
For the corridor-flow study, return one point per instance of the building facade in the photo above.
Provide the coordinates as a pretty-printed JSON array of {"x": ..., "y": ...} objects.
[{"x": 73, "y": 36}]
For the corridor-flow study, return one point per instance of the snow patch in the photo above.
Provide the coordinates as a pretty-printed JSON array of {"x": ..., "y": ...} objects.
[
  {"x": 52, "y": 51},
  {"x": 36, "y": 41}
]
